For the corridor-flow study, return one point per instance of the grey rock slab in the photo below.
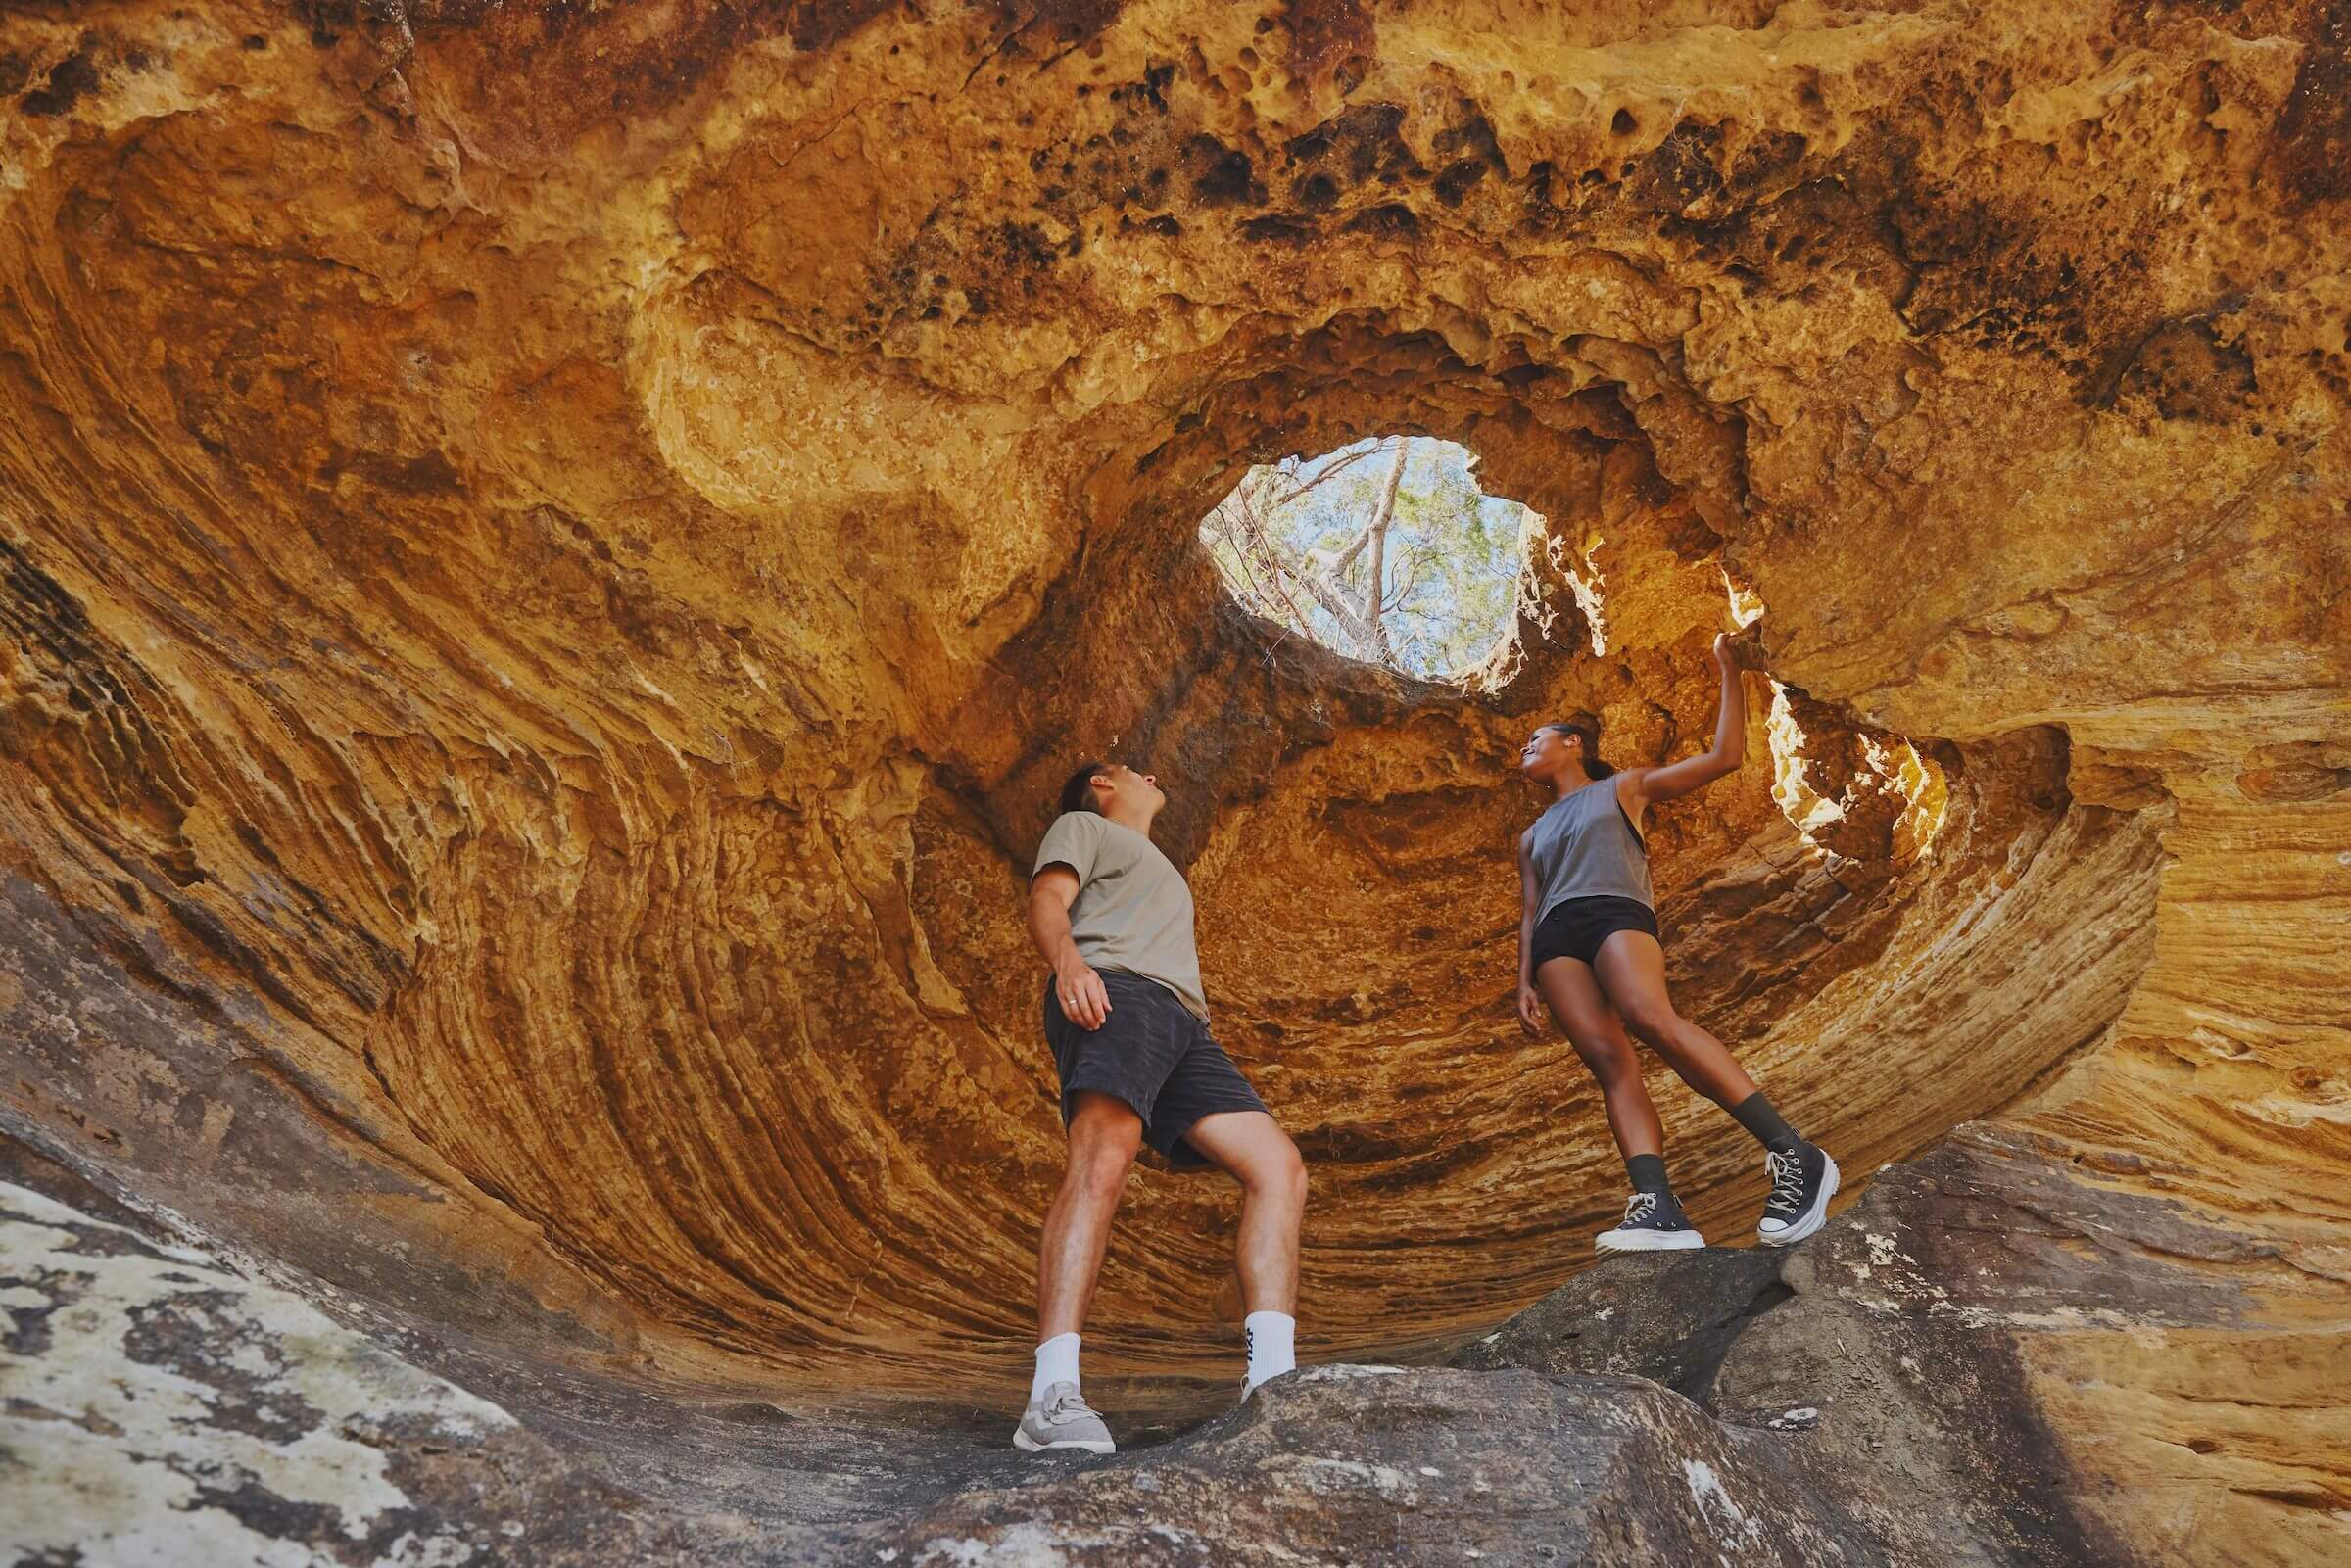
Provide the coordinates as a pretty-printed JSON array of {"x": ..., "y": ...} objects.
[
  {"x": 1357, "y": 1464},
  {"x": 157, "y": 1408},
  {"x": 1859, "y": 1400},
  {"x": 1665, "y": 1316}
]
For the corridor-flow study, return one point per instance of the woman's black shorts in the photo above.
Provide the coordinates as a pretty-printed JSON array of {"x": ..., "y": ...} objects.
[
  {"x": 1576, "y": 927},
  {"x": 1152, "y": 1054}
]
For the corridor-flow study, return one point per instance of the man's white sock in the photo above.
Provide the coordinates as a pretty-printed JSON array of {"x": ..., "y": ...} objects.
[
  {"x": 1272, "y": 1345},
  {"x": 1056, "y": 1362}
]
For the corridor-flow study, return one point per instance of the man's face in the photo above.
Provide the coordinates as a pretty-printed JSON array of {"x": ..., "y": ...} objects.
[{"x": 1127, "y": 785}]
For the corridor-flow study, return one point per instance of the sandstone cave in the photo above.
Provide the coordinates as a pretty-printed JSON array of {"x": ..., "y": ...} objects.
[{"x": 556, "y": 554}]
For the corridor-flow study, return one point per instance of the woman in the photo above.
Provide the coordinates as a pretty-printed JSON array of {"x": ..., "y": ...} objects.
[{"x": 1588, "y": 946}]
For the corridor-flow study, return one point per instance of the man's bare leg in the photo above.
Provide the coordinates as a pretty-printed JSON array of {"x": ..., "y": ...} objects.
[
  {"x": 1104, "y": 1135},
  {"x": 1251, "y": 1147}
]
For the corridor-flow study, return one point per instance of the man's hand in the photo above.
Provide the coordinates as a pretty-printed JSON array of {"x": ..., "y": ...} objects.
[
  {"x": 1075, "y": 985},
  {"x": 1726, "y": 657},
  {"x": 1530, "y": 1010},
  {"x": 1083, "y": 1001}
]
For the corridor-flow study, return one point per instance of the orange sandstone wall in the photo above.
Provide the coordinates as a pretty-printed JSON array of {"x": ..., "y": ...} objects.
[{"x": 553, "y": 558}]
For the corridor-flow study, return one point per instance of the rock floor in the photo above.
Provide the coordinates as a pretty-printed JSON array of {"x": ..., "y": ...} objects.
[{"x": 1866, "y": 1397}]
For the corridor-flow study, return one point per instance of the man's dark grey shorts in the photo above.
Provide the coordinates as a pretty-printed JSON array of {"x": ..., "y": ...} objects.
[{"x": 1152, "y": 1054}]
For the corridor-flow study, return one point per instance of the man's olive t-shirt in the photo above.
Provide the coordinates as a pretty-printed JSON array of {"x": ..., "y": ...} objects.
[{"x": 1133, "y": 911}]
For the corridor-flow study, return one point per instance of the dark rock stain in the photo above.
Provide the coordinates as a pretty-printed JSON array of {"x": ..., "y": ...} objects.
[
  {"x": 2311, "y": 154},
  {"x": 202, "y": 1336},
  {"x": 2182, "y": 369},
  {"x": 1455, "y": 181},
  {"x": 1222, "y": 176},
  {"x": 1066, "y": 23},
  {"x": 71, "y": 81},
  {"x": 28, "y": 1326},
  {"x": 1281, "y": 228},
  {"x": 1391, "y": 218},
  {"x": 1315, "y": 193},
  {"x": 1360, "y": 144},
  {"x": 1679, "y": 173}
]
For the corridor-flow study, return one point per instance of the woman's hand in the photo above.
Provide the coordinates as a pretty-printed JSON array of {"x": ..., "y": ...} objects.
[
  {"x": 1530, "y": 1010},
  {"x": 1726, "y": 657},
  {"x": 1083, "y": 1001}
]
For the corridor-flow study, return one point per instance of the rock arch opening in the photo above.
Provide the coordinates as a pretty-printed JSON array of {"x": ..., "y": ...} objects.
[{"x": 1386, "y": 551}]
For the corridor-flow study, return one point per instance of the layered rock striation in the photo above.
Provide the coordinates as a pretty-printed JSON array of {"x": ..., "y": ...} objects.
[{"x": 550, "y": 558}]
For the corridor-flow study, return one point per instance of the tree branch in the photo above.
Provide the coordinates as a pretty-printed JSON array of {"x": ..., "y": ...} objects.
[
  {"x": 1374, "y": 590},
  {"x": 1329, "y": 471}
]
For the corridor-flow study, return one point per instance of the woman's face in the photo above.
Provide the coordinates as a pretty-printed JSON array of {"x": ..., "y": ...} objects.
[{"x": 1545, "y": 753}]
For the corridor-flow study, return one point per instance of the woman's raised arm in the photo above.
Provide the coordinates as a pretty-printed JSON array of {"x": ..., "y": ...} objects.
[{"x": 1679, "y": 778}]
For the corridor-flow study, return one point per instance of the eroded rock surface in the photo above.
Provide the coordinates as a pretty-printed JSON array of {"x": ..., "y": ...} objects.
[
  {"x": 163, "y": 1408},
  {"x": 1352, "y": 1463},
  {"x": 1908, "y": 1387},
  {"x": 1944, "y": 1349},
  {"x": 549, "y": 557}
]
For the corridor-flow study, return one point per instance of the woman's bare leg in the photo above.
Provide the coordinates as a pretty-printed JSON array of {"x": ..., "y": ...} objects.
[
  {"x": 1630, "y": 969},
  {"x": 1598, "y": 1034}
]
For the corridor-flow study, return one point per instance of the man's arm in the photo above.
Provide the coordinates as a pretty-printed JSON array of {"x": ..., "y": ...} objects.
[{"x": 1083, "y": 1001}]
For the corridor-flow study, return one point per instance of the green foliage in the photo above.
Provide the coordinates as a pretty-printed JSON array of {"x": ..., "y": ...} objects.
[{"x": 1453, "y": 552}]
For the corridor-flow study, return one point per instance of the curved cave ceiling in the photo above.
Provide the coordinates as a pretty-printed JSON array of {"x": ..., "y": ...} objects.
[{"x": 555, "y": 558}]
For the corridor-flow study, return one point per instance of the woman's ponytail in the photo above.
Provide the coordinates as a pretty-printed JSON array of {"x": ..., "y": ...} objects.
[{"x": 1586, "y": 727}]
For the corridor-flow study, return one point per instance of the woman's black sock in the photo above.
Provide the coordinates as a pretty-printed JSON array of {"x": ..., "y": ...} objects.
[
  {"x": 1648, "y": 1176},
  {"x": 1755, "y": 1115}
]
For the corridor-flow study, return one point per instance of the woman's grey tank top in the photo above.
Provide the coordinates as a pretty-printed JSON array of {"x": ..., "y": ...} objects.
[{"x": 1585, "y": 847}]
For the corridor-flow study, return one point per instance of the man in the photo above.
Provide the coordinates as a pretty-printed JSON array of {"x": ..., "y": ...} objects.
[{"x": 1127, "y": 1023}]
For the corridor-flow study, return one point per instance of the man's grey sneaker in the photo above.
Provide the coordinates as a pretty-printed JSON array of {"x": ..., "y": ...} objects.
[
  {"x": 1802, "y": 1184},
  {"x": 1650, "y": 1226},
  {"x": 1061, "y": 1420}
]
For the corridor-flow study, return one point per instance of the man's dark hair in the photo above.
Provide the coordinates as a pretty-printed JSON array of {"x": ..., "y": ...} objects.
[
  {"x": 1585, "y": 726},
  {"x": 1078, "y": 793}
]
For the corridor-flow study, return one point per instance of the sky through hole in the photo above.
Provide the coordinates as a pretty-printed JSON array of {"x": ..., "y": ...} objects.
[{"x": 1304, "y": 541}]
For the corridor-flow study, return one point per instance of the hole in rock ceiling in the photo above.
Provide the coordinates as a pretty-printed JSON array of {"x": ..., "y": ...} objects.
[{"x": 1385, "y": 550}]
